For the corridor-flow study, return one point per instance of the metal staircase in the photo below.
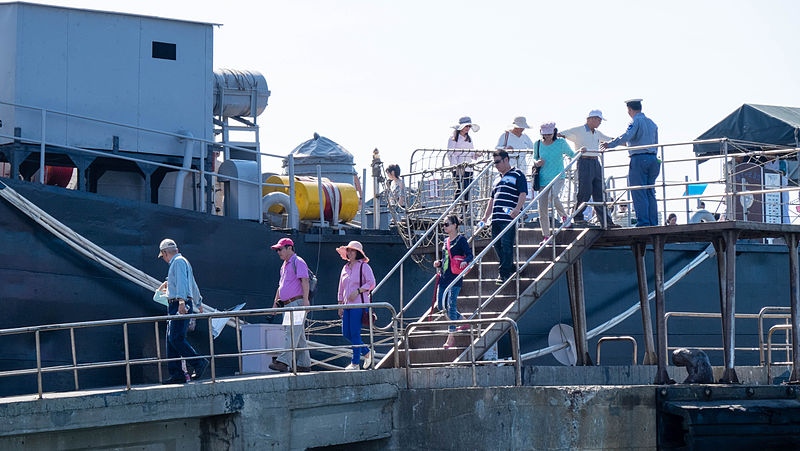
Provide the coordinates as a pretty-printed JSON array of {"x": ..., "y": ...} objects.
[{"x": 540, "y": 265}]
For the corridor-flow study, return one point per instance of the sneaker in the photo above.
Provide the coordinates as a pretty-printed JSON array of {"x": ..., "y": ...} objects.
[
  {"x": 462, "y": 328},
  {"x": 580, "y": 223},
  {"x": 200, "y": 369},
  {"x": 351, "y": 367},
  {"x": 544, "y": 240},
  {"x": 451, "y": 341},
  {"x": 279, "y": 366},
  {"x": 499, "y": 280},
  {"x": 303, "y": 369},
  {"x": 367, "y": 360}
]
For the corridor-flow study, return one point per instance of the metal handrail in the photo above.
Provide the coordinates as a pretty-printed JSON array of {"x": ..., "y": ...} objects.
[
  {"x": 513, "y": 329},
  {"x": 759, "y": 316},
  {"x": 618, "y": 338},
  {"x": 761, "y": 313},
  {"x": 787, "y": 328},
  {"x": 43, "y": 143},
  {"x": 128, "y": 362},
  {"x": 433, "y": 227}
]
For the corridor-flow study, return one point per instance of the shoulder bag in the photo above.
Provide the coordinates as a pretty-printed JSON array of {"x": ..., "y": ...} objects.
[
  {"x": 537, "y": 181},
  {"x": 455, "y": 260}
]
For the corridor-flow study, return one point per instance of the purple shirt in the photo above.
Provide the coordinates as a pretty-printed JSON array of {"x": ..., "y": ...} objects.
[
  {"x": 291, "y": 273},
  {"x": 350, "y": 281}
]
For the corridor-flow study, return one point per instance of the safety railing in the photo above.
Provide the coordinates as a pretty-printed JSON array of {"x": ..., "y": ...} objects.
[
  {"x": 730, "y": 193},
  {"x": 618, "y": 338},
  {"x": 128, "y": 362},
  {"x": 747, "y": 316},
  {"x": 788, "y": 329},
  {"x": 189, "y": 152},
  {"x": 431, "y": 229},
  {"x": 473, "y": 334}
]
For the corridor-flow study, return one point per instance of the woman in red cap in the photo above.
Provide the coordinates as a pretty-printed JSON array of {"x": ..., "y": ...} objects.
[{"x": 355, "y": 284}]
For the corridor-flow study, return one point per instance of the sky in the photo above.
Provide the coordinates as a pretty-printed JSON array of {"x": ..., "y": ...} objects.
[{"x": 396, "y": 75}]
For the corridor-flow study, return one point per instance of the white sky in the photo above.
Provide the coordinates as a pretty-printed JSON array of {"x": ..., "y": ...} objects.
[{"x": 396, "y": 75}]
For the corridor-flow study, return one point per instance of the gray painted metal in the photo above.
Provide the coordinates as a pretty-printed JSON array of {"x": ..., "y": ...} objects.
[
  {"x": 129, "y": 86},
  {"x": 245, "y": 93}
]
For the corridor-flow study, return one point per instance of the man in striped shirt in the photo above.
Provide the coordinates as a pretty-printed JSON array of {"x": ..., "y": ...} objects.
[{"x": 508, "y": 198}]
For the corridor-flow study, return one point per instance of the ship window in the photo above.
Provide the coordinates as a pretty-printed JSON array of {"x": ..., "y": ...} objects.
[{"x": 164, "y": 50}]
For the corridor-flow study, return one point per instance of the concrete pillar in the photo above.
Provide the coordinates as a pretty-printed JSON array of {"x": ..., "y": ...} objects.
[{"x": 644, "y": 304}]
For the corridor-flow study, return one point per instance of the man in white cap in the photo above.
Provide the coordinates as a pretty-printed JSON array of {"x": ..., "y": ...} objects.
[
  {"x": 644, "y": 166},
  {"x": 587, "y": 139},
  {"x": 182, "y": 294},
  {"x": 515, "y": 139}
]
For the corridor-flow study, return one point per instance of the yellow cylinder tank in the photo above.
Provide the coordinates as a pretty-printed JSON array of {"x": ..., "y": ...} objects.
[{"x": 307, "y": 197}]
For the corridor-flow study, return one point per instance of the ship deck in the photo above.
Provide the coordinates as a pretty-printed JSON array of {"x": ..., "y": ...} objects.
[{"x": 692, "y": 233}]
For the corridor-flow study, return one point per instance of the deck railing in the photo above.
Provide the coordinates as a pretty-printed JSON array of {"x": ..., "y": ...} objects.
[{"x": 128, "y": 362}]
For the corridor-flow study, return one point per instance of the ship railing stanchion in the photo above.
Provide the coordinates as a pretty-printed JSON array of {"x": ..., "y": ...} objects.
[
  {"x": 292, "y": 200},
  {"x": 42, "y": 146},
  {"x": 321, "y": 198},
  {"x": 663, "y": 185},
  {"x": 239, "y": 343}
]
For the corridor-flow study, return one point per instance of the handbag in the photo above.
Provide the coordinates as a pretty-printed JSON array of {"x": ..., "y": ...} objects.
[
  {"x": 537, "y": 180},
  {"x": 455, "y": 260},
  {"x": 365, "y": 312}
]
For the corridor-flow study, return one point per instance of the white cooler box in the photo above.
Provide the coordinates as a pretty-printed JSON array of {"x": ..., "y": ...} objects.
[{"x": 256, "y": 337}]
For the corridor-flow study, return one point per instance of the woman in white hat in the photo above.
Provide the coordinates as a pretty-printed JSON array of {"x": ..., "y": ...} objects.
[
  {"x": 355, "y": 284},
  {"x": 458, "y": 146},
  {"x": 549, "y": 153}
]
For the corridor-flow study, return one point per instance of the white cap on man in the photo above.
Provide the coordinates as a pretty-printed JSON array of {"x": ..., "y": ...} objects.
[
  {"x": 166, "y": 244},
  {"x": 596, "y": 113}
]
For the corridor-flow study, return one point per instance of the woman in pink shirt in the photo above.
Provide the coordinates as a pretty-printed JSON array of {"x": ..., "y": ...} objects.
[{"x": 355, "y": 284}]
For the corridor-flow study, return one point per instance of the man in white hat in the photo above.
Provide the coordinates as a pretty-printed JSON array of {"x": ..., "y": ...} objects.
[
  {"x": 182, "y": 294},
  {"x": 644, "y": 166},
  {"x": 515, "y": 139},
  {"x": 587, "y": 139}
]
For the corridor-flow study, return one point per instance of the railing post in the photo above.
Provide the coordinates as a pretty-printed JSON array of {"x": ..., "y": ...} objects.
[
  {"x": 42, "y": 146},
  {"x": 663, "y": 185},
  {"x": 158, "y": 352},
  {"x": 127, "y": 357},
  {"x": 794, "y": 300},
  {"x": 260, "y": 183},
  {"x": 39, "y": 363},
  {"x": 321, "y": 197},
  {"x": 730, "y": 204},
  {"x": 211, "y": 350},
  {"x": 292, "y": 200},
  {"x": 74, "y": 356}
]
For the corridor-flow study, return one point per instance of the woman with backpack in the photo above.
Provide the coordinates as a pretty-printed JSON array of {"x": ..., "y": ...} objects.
[
  {"x": 456, "y": 255},
  {"x": 355, "y": 284}
]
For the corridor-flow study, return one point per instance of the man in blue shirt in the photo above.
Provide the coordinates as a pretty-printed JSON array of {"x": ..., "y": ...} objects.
[
  {"x": 644, "y": 166},
  {"x": 182, "y": 292},
  {"x": 506, "y": 203}
]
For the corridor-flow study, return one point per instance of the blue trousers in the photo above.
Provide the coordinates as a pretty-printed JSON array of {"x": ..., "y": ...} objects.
[
  {"x": 643, "y": 170},
  {"x": 450, "y": 301},
  {"x": 505, "y": 248},
  {"x": 177, "y": 346},
  {"x": 351, "y": 329}
]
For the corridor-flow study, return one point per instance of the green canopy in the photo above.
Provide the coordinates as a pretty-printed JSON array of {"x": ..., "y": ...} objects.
[{"x": 767, "y": 124}]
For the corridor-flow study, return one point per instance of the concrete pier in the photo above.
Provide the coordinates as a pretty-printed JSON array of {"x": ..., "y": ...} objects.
[{"x": 366, "y": 409}]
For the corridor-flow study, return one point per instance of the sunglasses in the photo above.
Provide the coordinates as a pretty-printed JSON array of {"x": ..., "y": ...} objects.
[
  {"x": 445, "y": 224},
  {"x": 278, "y": 249},
  {"x": 496, "y": 162}
]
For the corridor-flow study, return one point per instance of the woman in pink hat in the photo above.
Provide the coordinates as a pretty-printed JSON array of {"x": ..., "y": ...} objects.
[{"x": 355, "y": 284}]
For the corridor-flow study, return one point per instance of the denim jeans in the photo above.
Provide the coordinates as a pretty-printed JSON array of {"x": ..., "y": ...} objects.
[
  {"x": 299, "y": 331},
  {"x": 643, "y": 170},
  {"x": 505, "y": 248},
  {"x": 449, "y": 301},
  {"x": 351, "y": 329},
  {"x": 177, "y": 346}
]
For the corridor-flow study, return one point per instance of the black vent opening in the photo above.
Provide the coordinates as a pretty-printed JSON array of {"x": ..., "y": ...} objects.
[{"x": 164, "y": 50}]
